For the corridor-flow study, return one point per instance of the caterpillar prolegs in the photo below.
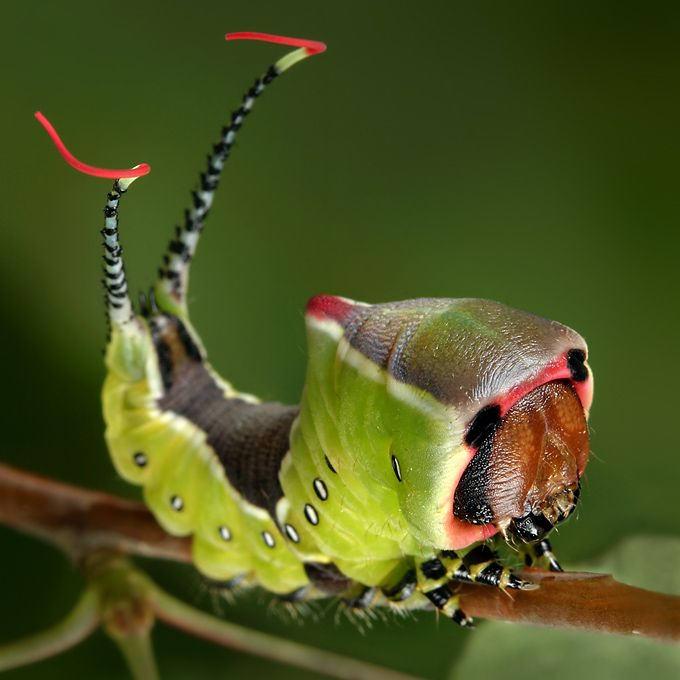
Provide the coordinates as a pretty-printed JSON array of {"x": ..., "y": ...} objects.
[{"x": 429, "y": 430}]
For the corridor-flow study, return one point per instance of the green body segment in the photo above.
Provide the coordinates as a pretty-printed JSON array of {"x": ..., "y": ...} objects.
[
  {"x": 184, "y": 484},
  {"x": 349, "y": 419},
  {"x": 372, "y": 461},
  {"x": 339, "y": 465}
]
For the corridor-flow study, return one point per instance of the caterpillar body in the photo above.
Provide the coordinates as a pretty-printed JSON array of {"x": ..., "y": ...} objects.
[{"x": 428, "y": 429}]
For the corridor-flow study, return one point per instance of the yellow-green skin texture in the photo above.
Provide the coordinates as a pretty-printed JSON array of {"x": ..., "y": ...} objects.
[
  {"x": 181, "y": 463},
  {"x": 355, "y": 419},
  {"x": 349, "y": 415}
]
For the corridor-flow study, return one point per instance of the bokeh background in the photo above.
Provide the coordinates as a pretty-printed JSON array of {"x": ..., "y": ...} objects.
[{"x": 526, "y": 152}]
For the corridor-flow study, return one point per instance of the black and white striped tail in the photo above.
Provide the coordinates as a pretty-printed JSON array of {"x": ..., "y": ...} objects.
[
  {"x": 118, "y": 304},
  {"x": 174, "y": 273}
]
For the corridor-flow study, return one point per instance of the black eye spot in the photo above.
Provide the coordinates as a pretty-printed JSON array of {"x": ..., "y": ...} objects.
[
  {"x": 482, "y": 424},
  {"x": 330, "y": 465},
  {"x": 576, "y": 362},
  {"x": 140, "y": 459},
  {"x": 177, "y": 503}
]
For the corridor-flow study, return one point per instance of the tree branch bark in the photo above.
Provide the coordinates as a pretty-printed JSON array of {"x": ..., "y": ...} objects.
[{"x": 80, "y": 521}]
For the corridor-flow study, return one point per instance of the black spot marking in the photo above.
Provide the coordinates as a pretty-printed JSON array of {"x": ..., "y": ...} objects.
[
  {"x": 530, "y": 528},
  {"x": 576, "y": 359},
  {"x": 433, "y": 569},
  {"x": 478, "y": 555},
  {"x": 470, "y": 501},
  {"x": 140, "y": 459},
  {"x": 483, "y": 424},
  {"x": 439, "y": 596},
  {"x": 176, "y": 503},
  {"x": 491, "y": 575},
  {"x": 396, "y": 467},
  {"x": 330, "y": 465},
  {"x": 224, "y": 532}
]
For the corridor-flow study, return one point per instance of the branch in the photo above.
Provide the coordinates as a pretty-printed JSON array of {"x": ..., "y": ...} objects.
[
  {"x": 179, "y": 615},
  {"x": 78, "y": 625},
  {"x": 80, "y": 521},
  {"x": 581, "y": 600}
]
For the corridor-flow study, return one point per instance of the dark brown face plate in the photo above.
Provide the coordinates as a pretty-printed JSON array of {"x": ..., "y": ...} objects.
[{"x": 530, "y": 462}]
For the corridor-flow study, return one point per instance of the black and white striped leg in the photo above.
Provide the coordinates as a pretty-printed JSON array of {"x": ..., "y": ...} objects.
[{"x": 540, "y": 554}]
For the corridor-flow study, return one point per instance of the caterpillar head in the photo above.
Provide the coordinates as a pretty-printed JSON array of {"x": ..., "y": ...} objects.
[
  {"x": 524, "y": 476},
  {"x": 505, "y": 440}
]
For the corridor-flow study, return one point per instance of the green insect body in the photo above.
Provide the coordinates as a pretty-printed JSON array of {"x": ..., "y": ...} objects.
[{"x": 427, "y": 429}]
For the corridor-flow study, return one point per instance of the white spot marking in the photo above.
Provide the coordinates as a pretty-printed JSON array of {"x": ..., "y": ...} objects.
[
  {"x": 268, "y": 539},
  {"x": 320, "y": 489},
  {"x": 292, "y": 533},
  {"x": 311, "y": 514}
]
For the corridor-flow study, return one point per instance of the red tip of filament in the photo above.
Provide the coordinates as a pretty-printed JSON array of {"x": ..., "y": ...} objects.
[
  {"x": 310, "y": 46},
  {"x": 138, "y": 171}
]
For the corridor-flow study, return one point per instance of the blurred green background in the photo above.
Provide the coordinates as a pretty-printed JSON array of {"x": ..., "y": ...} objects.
[{"x": 526, "y": 152}]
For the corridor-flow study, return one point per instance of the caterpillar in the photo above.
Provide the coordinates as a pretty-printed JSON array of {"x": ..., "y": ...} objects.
[{"x": 430, "y": 432}]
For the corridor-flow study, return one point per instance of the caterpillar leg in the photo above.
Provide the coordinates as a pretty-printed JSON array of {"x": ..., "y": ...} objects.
[
  {"x": 540, "y": 555},
  {"x": 402, "y": 589},
  {"x": 441, "y": 593},
  {"x": 479, "y": 565}
]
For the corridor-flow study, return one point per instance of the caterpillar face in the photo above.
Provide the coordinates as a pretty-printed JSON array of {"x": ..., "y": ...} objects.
[
  {"x": 512, "y": 391},
  {"x": 524, "y": 476}
]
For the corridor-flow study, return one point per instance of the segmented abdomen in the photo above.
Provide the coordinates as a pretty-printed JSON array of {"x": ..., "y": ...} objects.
[{"x": 207, "y": 457}]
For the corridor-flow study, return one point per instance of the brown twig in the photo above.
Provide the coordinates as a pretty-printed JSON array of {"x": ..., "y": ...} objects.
[
  {"x": 81, "y": 521},
  {"x": 580, "y": 600}
]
